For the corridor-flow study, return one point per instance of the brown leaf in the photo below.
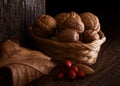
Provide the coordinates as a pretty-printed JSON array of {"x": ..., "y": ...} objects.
[
  {"x": 26, "y": 65},
  {"x": 86, "y": 69}
]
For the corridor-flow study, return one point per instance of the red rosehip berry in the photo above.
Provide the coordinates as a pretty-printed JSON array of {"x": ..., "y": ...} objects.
[
  {"x": 71, "y": 74},
  {"x": 68, "y": 63},
  {"x": 80, "y": 74},
  {"x": 60, "y": 75},
  {"x": 75, "y": 68}
]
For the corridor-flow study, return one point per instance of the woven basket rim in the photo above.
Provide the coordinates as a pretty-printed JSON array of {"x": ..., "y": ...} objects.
[{"x": 76, "y": 45}]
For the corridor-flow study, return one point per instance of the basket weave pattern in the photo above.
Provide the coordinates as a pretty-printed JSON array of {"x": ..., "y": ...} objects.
[{"x": 86, "y": 53}]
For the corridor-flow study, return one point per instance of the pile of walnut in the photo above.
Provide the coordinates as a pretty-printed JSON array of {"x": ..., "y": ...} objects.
[{"x": 68, "y": 27}]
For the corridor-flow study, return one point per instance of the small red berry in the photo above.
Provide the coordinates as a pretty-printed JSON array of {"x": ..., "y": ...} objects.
[
  {"x": 60, "y": 75},
  {"x": 68, "y": 63},
  {"x": 71, "y": 74},
  {"x": 80, "y": 74},
  {"x": 75, "y": 68}
]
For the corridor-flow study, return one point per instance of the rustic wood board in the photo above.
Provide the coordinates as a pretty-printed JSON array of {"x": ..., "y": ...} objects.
[
  {"x": 16, "y": 15},
  {"x": 107, "y": 69}
]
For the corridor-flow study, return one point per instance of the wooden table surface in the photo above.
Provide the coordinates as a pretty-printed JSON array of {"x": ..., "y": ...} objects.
[{"x": 107, "y": 69}]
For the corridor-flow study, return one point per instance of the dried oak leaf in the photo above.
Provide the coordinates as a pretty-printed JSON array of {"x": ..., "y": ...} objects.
[
  {"x": 26, "y": 65},
  {"x": 86, "y": 69}
]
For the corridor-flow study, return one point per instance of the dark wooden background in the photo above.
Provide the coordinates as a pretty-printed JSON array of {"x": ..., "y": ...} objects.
[{"x": 17, "y": 15}]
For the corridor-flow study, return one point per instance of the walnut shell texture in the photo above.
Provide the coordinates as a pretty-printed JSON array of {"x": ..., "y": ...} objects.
[
  {"x": 74, "y": 15},
  {"x": 77, "y": 24},
  {"x": 42, "y": 33},
  {"x": 60, "y": 18},
  {"x": 90, "y": 21},
  {"x": 47, "y": 22},
  {"x": 90, "y": 35},
  {"x": 68, "y": 35},
  {"x": 44, "y": 26}
]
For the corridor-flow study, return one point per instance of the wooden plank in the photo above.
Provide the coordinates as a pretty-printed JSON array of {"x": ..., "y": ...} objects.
[{"x": 16, "y": 15}]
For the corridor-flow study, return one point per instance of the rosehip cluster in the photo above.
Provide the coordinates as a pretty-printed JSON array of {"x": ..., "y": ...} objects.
[{"x": 70, "y": 71}]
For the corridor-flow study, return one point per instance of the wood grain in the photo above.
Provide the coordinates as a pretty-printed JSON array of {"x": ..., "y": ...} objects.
[
  {"x": 107, "y": 69},
  {"x": 17, "y": 15}
]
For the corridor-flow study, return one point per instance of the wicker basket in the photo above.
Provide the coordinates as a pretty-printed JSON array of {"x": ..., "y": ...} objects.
[{"x": 86, "y": 53}]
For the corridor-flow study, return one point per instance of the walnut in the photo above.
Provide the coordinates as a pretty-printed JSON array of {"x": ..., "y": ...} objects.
[
  {"x": 74, "y": 15},
  {"x": 89, "y": 36},
  {"x": 68, "y": 35},
  {"x": 77, "y": 24},
  {"x": 90, "y": 21},
  {"x": 60, "y": 18},
  {"x": 44, "y": 26}
]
